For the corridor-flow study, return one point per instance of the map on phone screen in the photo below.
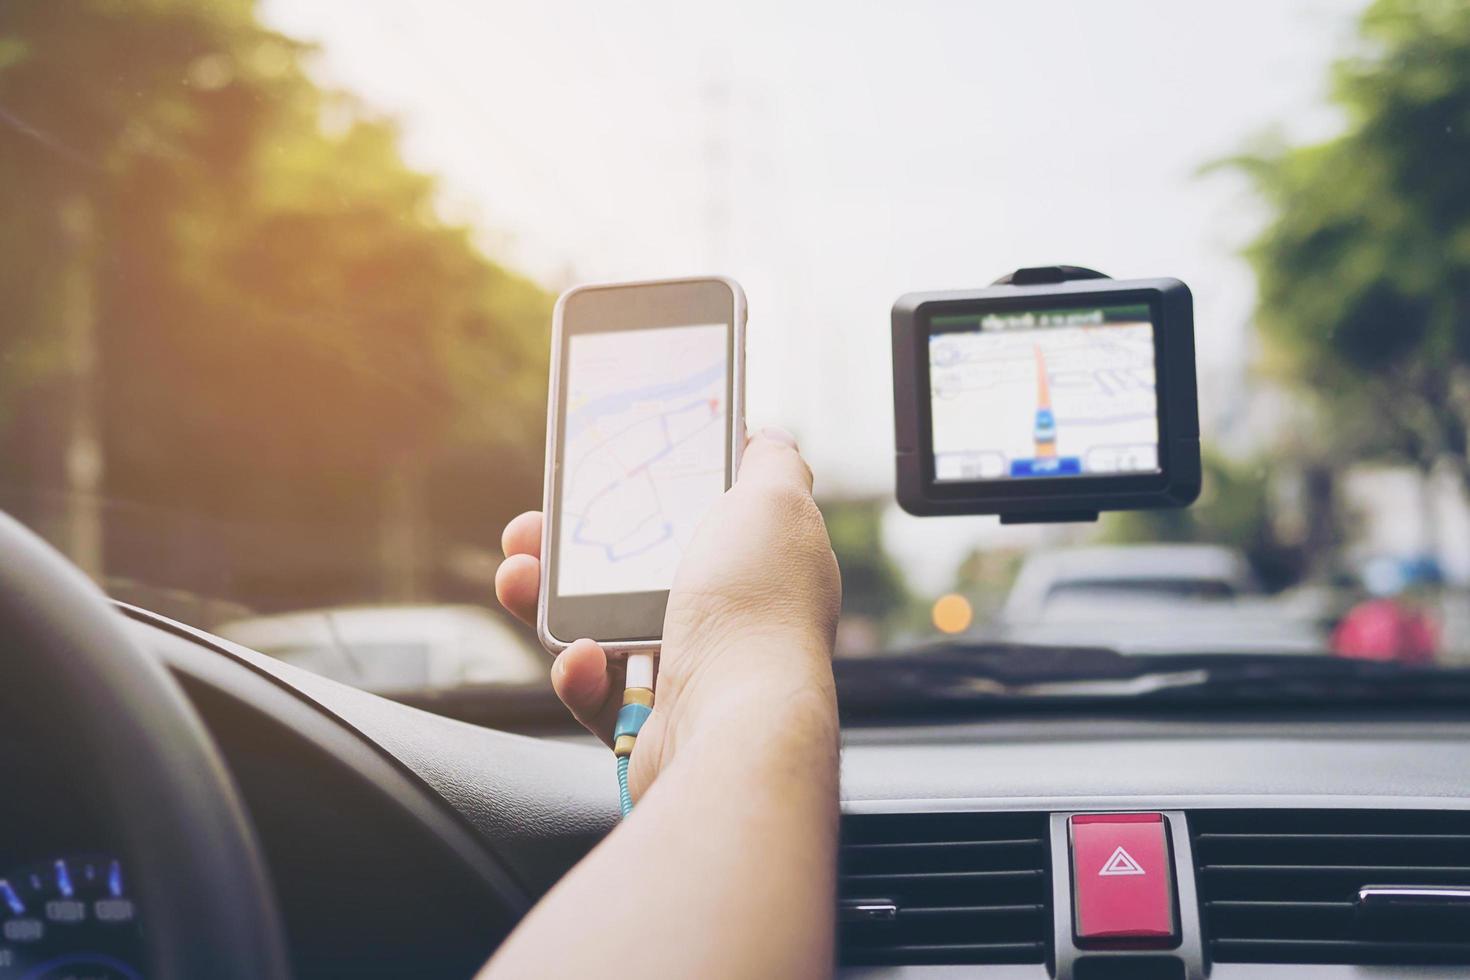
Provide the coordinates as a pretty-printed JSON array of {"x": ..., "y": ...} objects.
[{"x": 643, "y": 454}]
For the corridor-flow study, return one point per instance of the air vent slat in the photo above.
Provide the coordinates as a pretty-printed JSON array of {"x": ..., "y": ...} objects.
[
  {"x": 944, "y": 844},
  {"x": 976, "y": 910},
  {"x": 1371, "y": 838},
  {"x": 1360, "y": 952},
  {"x": 1371, "y": 870},
  {"x": 1281, "y": 886},
  {"x": 1273, "y": 905},
  {"x": 984, "y": 876},
  {"x": 916, "y": 954},
  {"x": 944, "y": 888}
]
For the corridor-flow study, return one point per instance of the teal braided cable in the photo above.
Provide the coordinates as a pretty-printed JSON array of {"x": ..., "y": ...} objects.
[
  {"x": 631, "y": 717},
  {"x": 625, "y": 795}
]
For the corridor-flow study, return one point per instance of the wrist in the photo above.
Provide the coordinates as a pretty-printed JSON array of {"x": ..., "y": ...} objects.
[
  {"x": 777, "y": 756},
  {"x": 761, "y": 696}
]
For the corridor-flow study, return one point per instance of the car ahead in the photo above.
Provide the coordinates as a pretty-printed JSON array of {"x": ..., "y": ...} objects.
[
  {"x": 394, "y": 649},
  {"x": 1166, "y": 598}
]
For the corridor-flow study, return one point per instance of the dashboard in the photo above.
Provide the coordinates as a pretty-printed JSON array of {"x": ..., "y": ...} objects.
[
  {"x": 67, "y": 910},
  {"x": 402, "y": 843},
  {"x": 69, "y": 915},
  {"x": 1270, "y": 838}
]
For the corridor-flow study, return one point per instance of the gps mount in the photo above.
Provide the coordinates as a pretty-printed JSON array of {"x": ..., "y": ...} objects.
[
  {"x": 956, "y": 436},
  {"x": 1036, "y": 275}
]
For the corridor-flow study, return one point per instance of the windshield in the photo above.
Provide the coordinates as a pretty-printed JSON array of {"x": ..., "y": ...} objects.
[{"x": 277, "y": 278}]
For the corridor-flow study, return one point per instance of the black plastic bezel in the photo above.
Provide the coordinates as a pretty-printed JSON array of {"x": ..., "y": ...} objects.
[{"x": 1175, "y": 484}]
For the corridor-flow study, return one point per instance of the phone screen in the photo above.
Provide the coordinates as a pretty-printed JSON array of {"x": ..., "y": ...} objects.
[
  {"x": 643, "y": 441},
  {"x": 644, "y": 450},
  {"x": 1036, "y": 393}
]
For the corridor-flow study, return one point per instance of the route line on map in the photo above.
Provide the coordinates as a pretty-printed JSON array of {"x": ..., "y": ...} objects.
[{"x": 609, "y": 549}]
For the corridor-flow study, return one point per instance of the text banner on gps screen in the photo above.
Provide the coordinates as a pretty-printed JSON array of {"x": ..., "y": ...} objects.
[
  {"x": 644, "y": 453},
  {"x": 1044, "y": 393}
]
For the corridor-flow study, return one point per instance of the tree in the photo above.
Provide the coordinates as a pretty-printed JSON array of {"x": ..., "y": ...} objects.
[
  {"x": 1235, "y": 509},
  {"x": 872, "y": 585},
  {"x": 985, "y": 577},
  {"x": 1364, "y": 269},
  {"x": 298, "y": 374}
]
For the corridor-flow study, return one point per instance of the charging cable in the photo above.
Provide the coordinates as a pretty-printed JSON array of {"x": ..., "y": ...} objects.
[{"x": 637, "y": 705}]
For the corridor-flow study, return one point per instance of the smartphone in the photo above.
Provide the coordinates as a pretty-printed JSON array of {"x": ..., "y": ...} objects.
[{"x": 644, "y": 432}]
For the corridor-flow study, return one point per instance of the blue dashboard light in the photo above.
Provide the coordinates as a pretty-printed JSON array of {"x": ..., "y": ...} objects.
[
  {"x": 63, "y": 879},
  {"x": 114, "y": 879},
  {"x": 12, "y": 900}
]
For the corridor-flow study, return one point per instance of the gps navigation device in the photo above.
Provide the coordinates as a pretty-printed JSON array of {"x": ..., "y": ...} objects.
[
  {"x": 644, "y": 432},
  {"x": 1052, "y": 395}
]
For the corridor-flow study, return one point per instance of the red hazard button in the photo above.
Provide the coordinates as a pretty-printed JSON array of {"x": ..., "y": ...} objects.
[{"x": 1122, "y": 879}]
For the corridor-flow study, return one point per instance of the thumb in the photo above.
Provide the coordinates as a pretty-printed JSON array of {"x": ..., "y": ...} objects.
[{"x": 772, "y": 460}]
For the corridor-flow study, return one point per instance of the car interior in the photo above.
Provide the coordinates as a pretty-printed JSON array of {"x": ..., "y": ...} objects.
[
  {"x": 221, "y": 775},
  {"x": 1168, "y": 680}
]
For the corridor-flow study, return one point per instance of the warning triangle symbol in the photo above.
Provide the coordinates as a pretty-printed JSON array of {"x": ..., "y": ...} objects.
[{"x": 1121, "y": 863}]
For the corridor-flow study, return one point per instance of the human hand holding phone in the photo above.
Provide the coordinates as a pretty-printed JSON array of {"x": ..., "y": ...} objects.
[
  {"x": 750, "y": 621},
  {"x": 741, "y": 748}
]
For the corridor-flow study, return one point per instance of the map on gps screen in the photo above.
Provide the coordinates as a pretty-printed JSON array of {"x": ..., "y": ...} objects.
[
  {"x": 643, "y": 454},
  {"x": 1043, "y": 393}
]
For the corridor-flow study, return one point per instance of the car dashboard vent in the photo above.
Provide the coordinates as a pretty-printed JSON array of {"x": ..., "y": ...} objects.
[
  {"x": 1334, "y": 886},
  {"x": 944, "y": 888}
]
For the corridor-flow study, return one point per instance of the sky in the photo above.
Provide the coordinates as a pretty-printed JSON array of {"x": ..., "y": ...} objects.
[{"x": 833, "y": 155}]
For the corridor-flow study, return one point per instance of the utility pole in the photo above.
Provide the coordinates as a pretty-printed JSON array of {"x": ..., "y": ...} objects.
[
  {"x": 403, "y": 539},
  {"x": 83, "y": 461},
  {"x": 717, "y": 168}
]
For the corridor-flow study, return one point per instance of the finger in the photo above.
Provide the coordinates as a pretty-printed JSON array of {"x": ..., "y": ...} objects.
[
  {"x": 517, "y": 583},
  {"x": 589, "y": 686},
  {"x": 771, "y": 457},
  {"x": 522, "y": 536}
]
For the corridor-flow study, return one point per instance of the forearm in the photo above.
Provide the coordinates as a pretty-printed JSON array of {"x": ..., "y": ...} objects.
[{"x": 726, "y": 868}]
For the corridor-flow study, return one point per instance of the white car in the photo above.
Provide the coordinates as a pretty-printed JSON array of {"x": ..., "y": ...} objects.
[
  {"x": 397, "y": 648},
  {"x": 1151, "y": 599}
]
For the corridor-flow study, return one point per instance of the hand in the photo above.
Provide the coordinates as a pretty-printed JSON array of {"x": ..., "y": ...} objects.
[{"x": 751, "y": 616}]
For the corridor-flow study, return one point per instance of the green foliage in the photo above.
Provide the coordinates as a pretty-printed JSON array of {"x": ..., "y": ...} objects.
[
  {"x": 283, "y": 324},
  {"x": 1364, "y": 270},
  {"x": 985, "y": 577},
  {"x": 1234, "y": 509},
  {"x": 872, "y": 585}
]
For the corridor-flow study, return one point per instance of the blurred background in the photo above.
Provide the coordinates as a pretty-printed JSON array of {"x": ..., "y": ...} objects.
[{"x": 276, "y": 281}]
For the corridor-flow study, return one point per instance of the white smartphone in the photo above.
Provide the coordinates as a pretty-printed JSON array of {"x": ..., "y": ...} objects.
[{"x": 645, "y": 426}]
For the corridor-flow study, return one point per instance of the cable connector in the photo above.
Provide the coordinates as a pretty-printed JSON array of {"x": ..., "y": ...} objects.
[{"x": 637, "y": 706}]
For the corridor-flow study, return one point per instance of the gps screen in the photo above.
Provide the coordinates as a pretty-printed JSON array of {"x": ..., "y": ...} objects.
[
  {"x": 643, "y": 455},
  {"x": 1043, "y": 393}
]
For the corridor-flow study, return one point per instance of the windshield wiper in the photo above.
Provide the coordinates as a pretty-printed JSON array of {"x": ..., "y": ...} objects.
[
  {"x": 956, "y": 678},
  {"x": 1323, "y": 677},
  {"x": 959, "y": 673}
]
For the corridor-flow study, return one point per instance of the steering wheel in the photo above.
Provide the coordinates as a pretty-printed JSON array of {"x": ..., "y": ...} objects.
[{"x": 206, "y": 903}]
